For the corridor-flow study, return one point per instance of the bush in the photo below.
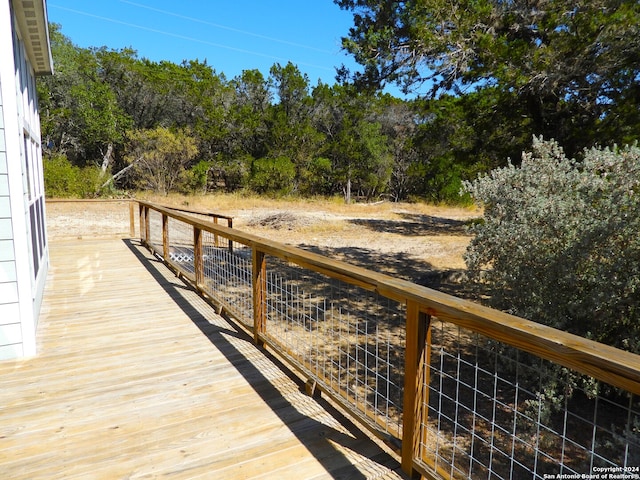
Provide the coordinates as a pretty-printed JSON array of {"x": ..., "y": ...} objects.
[
  {"x": 559, "y": 243},
  {"x": 235, "y": 172},
  {"x": 159, "y": 157},
  {"x": 317, "y": 177},
  {"x": 62, "y": 179},
  {"x": 273, "y": 175},
  {"x": 196, "y": 179}
]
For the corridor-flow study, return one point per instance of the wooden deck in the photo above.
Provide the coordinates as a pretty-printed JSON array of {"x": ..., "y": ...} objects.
[{"x": 137, "y": 377}]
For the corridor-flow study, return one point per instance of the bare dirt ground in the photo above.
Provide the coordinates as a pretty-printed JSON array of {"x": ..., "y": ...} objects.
[{"x": 418, "y": 242}]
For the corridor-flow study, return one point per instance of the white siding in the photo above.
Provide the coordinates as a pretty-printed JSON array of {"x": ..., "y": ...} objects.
[
  {"x": 11, "y": 314},
  {"x": 10, "y": 334},
  {"x": 6, "y": 250},
  {"x": 10, "y": 324},
  {"x": 11, "y": 351},
  {"x": 23, "y": 245},
  {"x": 7, "y": 273}
]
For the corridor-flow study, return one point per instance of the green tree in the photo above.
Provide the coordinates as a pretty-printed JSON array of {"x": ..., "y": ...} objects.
[
  {"x": 398, "y": 123},
  {"x": 570, "y": 67},
  {"x": 291, "y": 131},
  {"x": 81, "y": 117},
  {"x": 559, "y": 243},
  {"x": 273, "y": 175},
  {"x": 359, "y": 150},
  {"x": 158, "y": 157},
  {"x": 207, "y": 101},
  {"x": 249, "y": 114}
]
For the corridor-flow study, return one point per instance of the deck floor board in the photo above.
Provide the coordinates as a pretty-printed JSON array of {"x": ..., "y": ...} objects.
[{"x": 137, "y": 377}]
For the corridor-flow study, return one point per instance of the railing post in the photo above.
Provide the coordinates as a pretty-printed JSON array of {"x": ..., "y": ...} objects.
[
  {"x": 132, "y": 222},
  {"x": 142, "y": 211},
  {"x": 165, "y": 237},
  {"x": 230, "y": 225},
  {"x": 198, "y": 260},
  {"x": 416, "y": 376},
  {"x": 215, "y": 235},
  {"x": 147, "y": 225},
  {"x": 259, "y": 280}
]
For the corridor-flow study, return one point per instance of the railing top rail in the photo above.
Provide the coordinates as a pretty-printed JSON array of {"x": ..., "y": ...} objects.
[
  {"x": 89, "y": 200},
  {"x": 200, "y": 212},
  {"x": 608, "y": 364}
]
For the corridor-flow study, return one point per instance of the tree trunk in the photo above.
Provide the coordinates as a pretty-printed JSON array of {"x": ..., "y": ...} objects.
[
  {"x": 106, "y": 160},
  {"x": 113, "y": 178},
  {"x": 347, "y": 193}
]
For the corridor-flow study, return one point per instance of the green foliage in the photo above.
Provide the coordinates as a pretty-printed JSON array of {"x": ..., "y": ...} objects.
[
  {"x": 559, "y": 243},
  {"x": 443, "y": 182},
  {"x": 563, "y": 68},
  {"x": 502, "y": 78},
  {"x": 318, "y": 177},
  {"x": 196, "y": 179},
  {"x": 337, "y": 138},
  {"x": 235, "y": 172},
  {"x": 80, "y": 114},
  {"x": 159, "y": 157},
  {"x": 62, "y": 179},
  {"x": 273, "y": 175}
]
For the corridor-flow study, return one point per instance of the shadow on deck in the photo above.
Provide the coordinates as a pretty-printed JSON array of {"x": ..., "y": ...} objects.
[{"x": 137, "y": 376}]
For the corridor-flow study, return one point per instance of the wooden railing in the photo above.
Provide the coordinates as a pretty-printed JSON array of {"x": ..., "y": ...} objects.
[
  {"x": 92, "y": 216},
  {"x": 457, "y": 389}
]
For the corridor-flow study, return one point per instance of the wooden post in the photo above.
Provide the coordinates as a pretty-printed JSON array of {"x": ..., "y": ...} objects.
[
  {"x": 165, "y": 237},
  {"x": 259, "y": 279},
  {"x": 132, "y": 222},
  {"x": 147, "y": 225},
  {"x": 142, "y": 212},
  {"x": 416, "y": 375},
  {"x": 198, "y": 260},
  {"x": 230, "y": 225},
  {"x": 215, "y": 235}
]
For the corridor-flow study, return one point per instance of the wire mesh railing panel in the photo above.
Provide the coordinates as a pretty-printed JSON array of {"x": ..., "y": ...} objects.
[
  {"x": 348, "y": 338},
  {"x": 217, "y": 240},
  {"x": 155, "y": 230},
  {"x": 496, "y": 412},
  {"x": 228, "y": 276},
  {"x": 181, "y": 250}
]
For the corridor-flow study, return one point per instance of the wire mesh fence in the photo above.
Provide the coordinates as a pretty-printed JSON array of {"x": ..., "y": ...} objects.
[
  {"x": 488, "y": 410},
  {"x": 155, "y": 230},
  {"x": 181, "y": 249},
  {"x": 228, "y": 276},
  {"x": 494, "y": 411},
  {"x": 351, "y": 340}
]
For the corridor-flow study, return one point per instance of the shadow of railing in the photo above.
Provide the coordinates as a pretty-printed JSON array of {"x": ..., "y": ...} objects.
[
  {"x": 459, "y": 389},
  {"x": 322, "y": 445}
]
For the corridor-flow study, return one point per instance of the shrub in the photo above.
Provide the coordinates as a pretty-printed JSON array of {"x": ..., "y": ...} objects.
[
  {"x": 273, "y": 175},
  {"x": 317, "y": 177},
  {"x": 159, "y": 157},
  {"x": 196, "y": 179},
  {"x": 559, "y": 243},
  {"x": 62, "y": 179},
  {"x": 235, "y": 172}
]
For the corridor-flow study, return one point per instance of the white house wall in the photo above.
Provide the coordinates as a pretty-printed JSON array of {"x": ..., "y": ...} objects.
[{"x": 23, "y": 246}]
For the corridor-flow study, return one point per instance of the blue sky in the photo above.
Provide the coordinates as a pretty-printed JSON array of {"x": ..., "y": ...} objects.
[{"x": 231, "y": 35}]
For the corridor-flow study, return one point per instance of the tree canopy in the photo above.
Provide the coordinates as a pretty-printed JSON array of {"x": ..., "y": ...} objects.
[
  {"x": 167, "y": 127},
  {"x": 559, "y": 68},
  {"x": 499, "y": 73}
]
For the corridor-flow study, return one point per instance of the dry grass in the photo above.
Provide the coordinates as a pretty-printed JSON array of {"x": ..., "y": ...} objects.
[{"x": 416, "y": 241}]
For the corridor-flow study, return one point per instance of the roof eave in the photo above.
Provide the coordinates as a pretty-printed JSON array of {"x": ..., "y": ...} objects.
[{"x": 33, "y": 23}]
